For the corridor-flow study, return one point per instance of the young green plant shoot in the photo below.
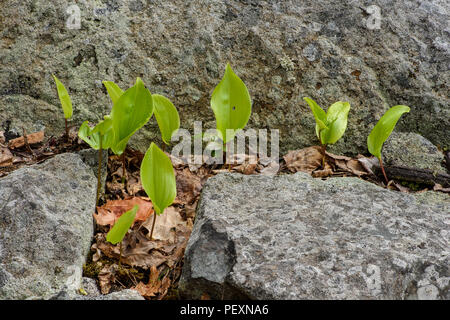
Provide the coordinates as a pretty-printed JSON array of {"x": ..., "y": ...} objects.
[
  {"x": 382, "y": 131},
  {"x": 131, "y": 111},
  {"x": 158, "y": 180},
  {"x": 167, "y": 117},
  {"x": 101, "y": 137},
  {"x": 231, "y": 104},
  {"x": 330, "y": 126},
  {"x": 66, "y": 103},
  {"x": 165, "y": 112},
  {"x": 120, "y": 228}
]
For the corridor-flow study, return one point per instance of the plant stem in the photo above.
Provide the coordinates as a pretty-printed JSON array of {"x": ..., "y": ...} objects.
[
  {"x": 120, "y": 256},
  {"x": 99, "y": 172},
  {"x": 382, "y": 170},
  {"x": 25, "y": 139},
  {"x": 124, "y": 172},
  {"x": 67, "y": 130},
  {"x": 153, "y": 225},
  {"x": 324, "y": 149}
]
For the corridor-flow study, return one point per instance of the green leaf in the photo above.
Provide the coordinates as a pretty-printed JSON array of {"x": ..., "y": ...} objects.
[
  {"x": 167, "y": 117},
  {"x": 319, "y": 114},
  {"x": 64, "y": 97},
  {"x": 120, "y": 228},
  {"x": 103, "y": 130},
  {"x": 114, "y": 90},
  {"x": 130, "y": 112},
  {"x": 158, "y": 178},
  {"x": 337, "y": 115},
  {"x": 383, "y": 129},
  {"x": 231, "y": 104}
]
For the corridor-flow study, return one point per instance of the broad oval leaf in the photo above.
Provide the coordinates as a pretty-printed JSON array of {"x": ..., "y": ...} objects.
[
  {"x": 319, "y": 114},
  {"x": 337, "y": 116},
  {"x": 114, "y": 90},
  {"x": 158, "y": 178},
  {"x": 64, "y": 98},
  {"x": 167, "y": 117},
  {"x": 383, "y": 129},
  {"x": 103, "y": 130},
  {"x": 120, "y": 228},
  {"x": 130, "y": 112},
  {"x": 231, "y": 104}
]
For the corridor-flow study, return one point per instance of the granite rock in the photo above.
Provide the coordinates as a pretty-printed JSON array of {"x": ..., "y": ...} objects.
[
  {"x": 296, "y": 237},
  {"x": 374, "y": 54},
  {"x": 407, "y": 149},
  {"x": 46, "y": 227},
  {"x": 90, "y": 157}
]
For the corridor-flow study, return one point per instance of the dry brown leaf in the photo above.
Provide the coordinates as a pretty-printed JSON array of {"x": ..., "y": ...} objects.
[
  {"x": 323, "y": 172},
  {"x": 134, "y": 184},
  {"x": 139, "y": 251},
  {"x": 347, "y": 164},
  {"x": 154, "y": 287},
  {"x": 106, "y": 278},
  {"x": 165, "y": 225},
  {"x": 270, "y": 169},
  {"x": 189, "y": 185},
  {"x": 6, "y": 157},
  {"x": 246, "y": 168},
  {"x": 305, "y": 160},
  {"x": 439, "y": 187},
  {"x": 205, "y": 296},
  {"x": 112, "y": 210},
  {"x": 32, "y": 138},
  {"x": 247, "y": 163},
  {"x": 177, "y": 162}
]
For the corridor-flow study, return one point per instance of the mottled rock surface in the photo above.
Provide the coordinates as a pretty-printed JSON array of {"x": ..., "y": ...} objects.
[
  {"x": 92, "y": 292},
  {"x": 90, "y": 157},
  {"x": 283, "y": 51},
  {"x": 46, "y": 227},
  {"x": 296, "y": 237},
  {"x": 407, "y": 149}
]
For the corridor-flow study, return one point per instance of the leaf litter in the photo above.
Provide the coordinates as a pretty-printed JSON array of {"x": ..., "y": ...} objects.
[{"x": 153, "y": 266}]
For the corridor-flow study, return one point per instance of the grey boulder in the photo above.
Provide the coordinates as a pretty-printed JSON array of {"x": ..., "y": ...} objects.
[
  {"x": 374, "y": 54},
  {"x": 296, "y": 237},
  {"x": 46, "y": 227},
  {"x": 407, "y": 149}
]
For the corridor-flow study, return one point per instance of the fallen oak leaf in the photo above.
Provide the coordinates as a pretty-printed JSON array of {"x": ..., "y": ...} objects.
[
  {"x": 6, "y": 157},
  {"x": 189, "y": 185},
  {"x": 347, "y": 164},
  {"x": 248, "y": 163},
  {"x": 113, "y": 209},
  {"x": 152, "y": 288},
  {"x": 165, "y": 229},
  {"x": 439, "y": 187},
  {"x": 323, "y": 173},
  {"x": 106, "y": 278},
  {"x": 32, "y": 138},
  {"x": 305, "y": 160}
]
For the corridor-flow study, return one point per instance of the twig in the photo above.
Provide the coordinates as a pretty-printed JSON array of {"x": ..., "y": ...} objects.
[
  {"x": 424, "y": 176},
  {"x": 25, "y": 139}
]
